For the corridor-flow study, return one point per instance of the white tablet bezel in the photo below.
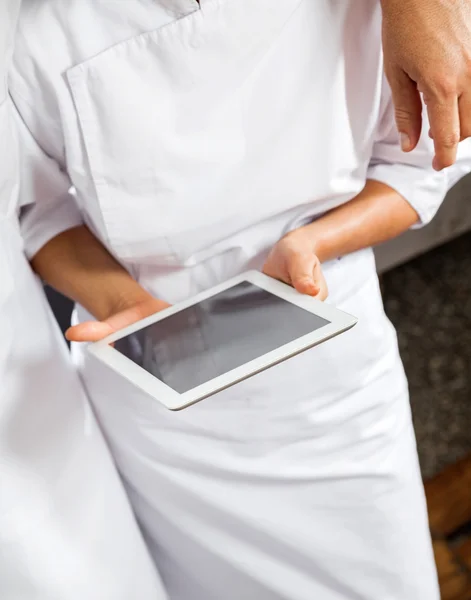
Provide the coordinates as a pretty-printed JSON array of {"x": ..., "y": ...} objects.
[{"x": 339, "y": 322}]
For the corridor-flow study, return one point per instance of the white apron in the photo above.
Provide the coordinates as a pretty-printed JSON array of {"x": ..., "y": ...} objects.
[
  {"x": 66, "y": 528},
  {"x": 301, "y": 483}
]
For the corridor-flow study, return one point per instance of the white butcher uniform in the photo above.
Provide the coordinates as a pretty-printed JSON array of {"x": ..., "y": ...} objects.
[
  {"x": 67, "y": 531},
  {"x": 195, "y": 136}
]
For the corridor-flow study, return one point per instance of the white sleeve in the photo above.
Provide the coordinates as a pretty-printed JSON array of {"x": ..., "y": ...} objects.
[
  {"x": 47, "y": 202},
  {"x": 411, "y": 174}
]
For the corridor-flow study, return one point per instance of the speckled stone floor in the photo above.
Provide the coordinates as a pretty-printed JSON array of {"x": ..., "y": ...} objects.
[{"x": 429, "y": 302}]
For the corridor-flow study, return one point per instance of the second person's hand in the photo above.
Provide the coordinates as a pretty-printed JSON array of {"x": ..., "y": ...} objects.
[
  {"x": 427, "y": 48},
  {"x": 294, "y": 261}
]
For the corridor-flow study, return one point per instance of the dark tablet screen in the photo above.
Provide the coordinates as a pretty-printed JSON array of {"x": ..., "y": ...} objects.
[{"x": 221, "y": 333}]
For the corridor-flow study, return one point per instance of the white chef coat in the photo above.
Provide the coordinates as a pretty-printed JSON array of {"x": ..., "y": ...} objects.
[
  {"x": 195, "y": 136},
  {"x": 67, "y": 531}
]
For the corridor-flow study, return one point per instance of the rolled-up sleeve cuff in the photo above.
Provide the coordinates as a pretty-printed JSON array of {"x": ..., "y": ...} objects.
[
  {"x": 46, "y": 196},
  {"x": 423, "y": 189},
  {"x": 40, "y": 225}
]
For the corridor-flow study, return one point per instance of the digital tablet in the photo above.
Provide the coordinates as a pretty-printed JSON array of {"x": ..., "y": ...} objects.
[{"x": 218, "y": 338}]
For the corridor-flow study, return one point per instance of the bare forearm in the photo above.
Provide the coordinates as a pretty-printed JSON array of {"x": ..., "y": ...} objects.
[
  {"x": 376, "y": 215},
  {"x": 76, "y": 264}
]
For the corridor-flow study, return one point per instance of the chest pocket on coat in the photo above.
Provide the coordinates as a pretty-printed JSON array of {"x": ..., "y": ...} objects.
[{"x": 165, "y": 130}]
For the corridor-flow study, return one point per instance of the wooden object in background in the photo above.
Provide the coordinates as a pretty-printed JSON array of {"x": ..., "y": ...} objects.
[
  {"x": 449, "y": 504},
  {"x": 454, "y": 579},
  {"x": 449, "y": 498}
]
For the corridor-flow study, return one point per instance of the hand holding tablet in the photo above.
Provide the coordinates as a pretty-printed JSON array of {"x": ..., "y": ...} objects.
[{"x": 224, "y": 335}]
